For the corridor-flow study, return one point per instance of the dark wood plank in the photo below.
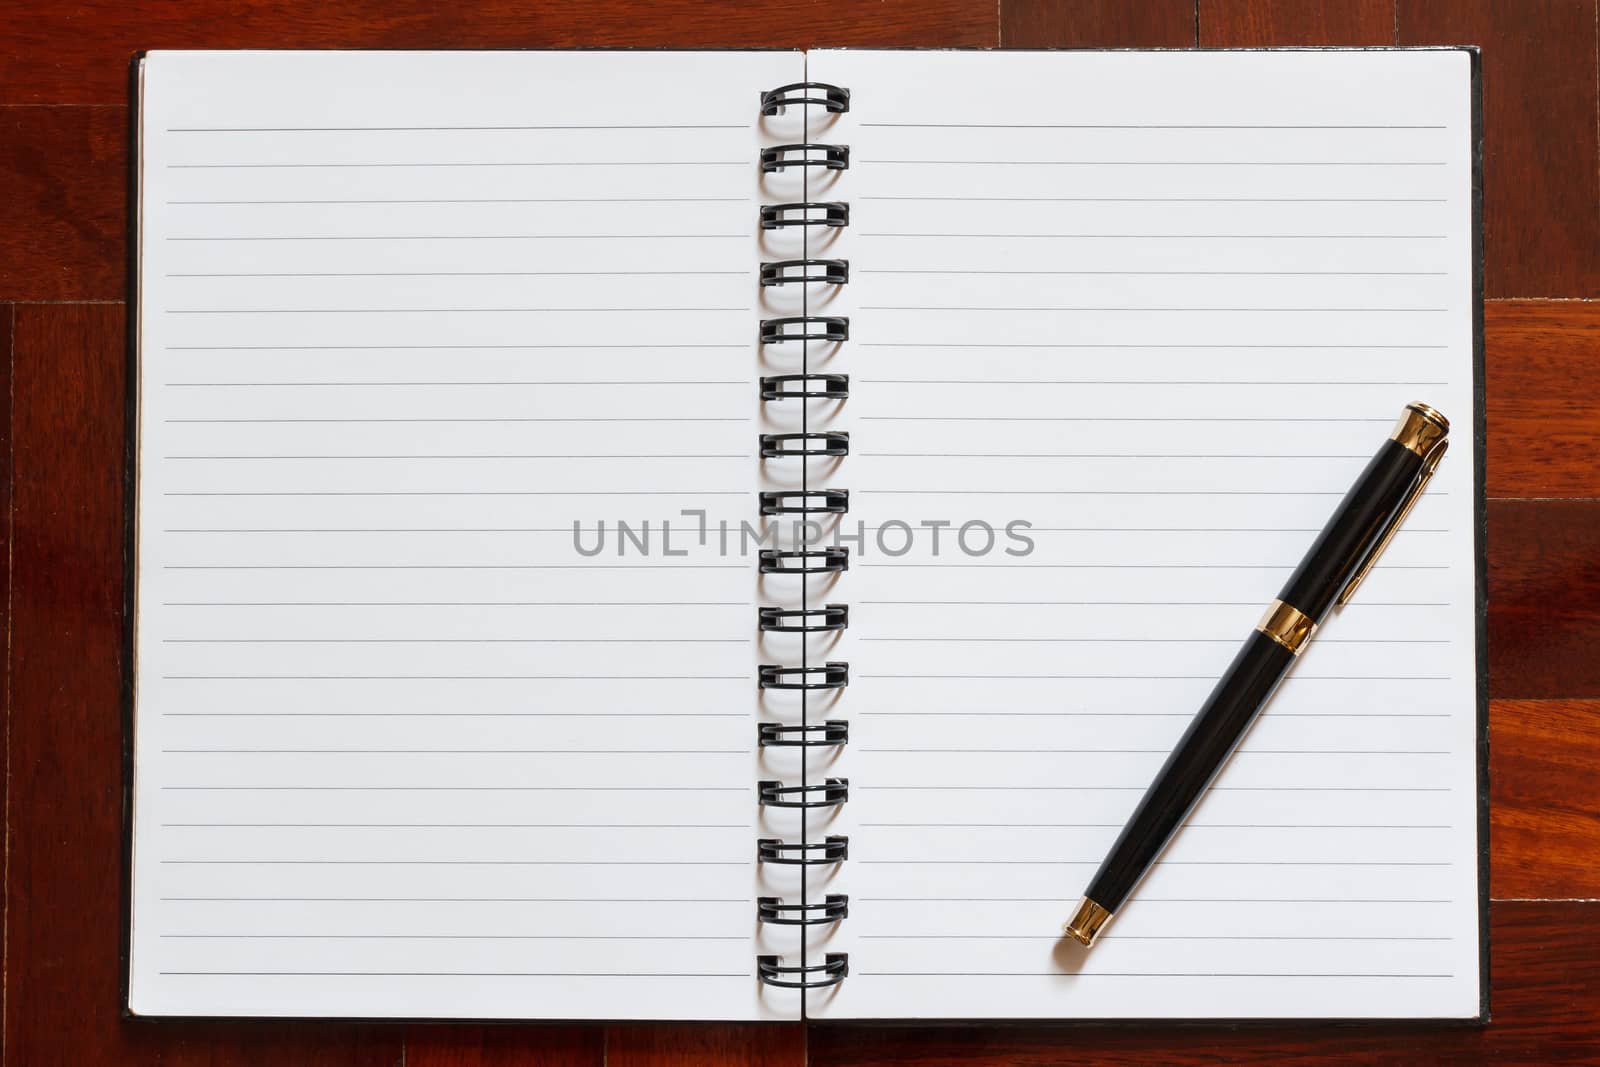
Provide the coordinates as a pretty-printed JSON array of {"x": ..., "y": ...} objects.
[
  {"x": 63, "y": 188},
  {"x": 1097, "y": 24},
  {"x": 78, "y": 53},
  {"x": 64, "y": 793},
  {"x": 734, "y": 1044},
  {"x": 1541, "y": 230},
  {"x": 1544, "y": 598},
  {"x": 1545, "y": 999},
  {"x": 1543, "y": 360},
  {"x": 505, "y": 1046},
  {"x": 1265, "y": 23},
  {"x": 1544, "y": 779}
]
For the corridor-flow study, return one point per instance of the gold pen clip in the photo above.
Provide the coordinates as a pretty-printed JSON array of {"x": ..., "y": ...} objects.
[{"x": 1430, "y": 463}]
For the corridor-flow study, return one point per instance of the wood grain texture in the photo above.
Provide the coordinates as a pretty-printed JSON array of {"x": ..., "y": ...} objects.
[
  {"x": 1544, "y": 780},
  {"x": 61, "y": 217},
  {"x": 1541, "y": 229},
  {"x": 78, "y": 53},
  {"x": 1545, "y": 1001},
  {"x": 1265, "y": 23},
  {"x": 1542, "y": 369},
  {"x": 63, "y": 189},
  {"x": 1097, "y": 24},
  {"x": 64, "y": 789},
  {"x": 505, "y": 1046},
  {"x": 1544, "y": 599},
  {"x": 734, "y": 1044}
]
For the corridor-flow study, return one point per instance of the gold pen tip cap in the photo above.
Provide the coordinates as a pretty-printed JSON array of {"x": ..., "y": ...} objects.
[
  {"x": 1432, "y": 414},
  {"x": 1420, "y": 428},
  {"x": 1085, "y": 924}
]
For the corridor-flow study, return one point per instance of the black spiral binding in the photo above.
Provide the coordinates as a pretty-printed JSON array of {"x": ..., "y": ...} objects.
[
  {"x": 805, "y": 387},
  {"x": 834, "y": 214},
  {"x": 783, "y": 156},
  {"x": 831, "y": 97},
  {"x": 831, "y": 443},
  {"x": 805, "y": 271},
  {"x": 824, "y": 216},
  {"x": 803, "y": 735},
  {"x": 805, "y": 501},
  {"x": 833, "y": 328},
  {"x": 831, "y": 909},
  {"x": 828, "y": 560},
  {"x": 835, "y": 674},
  {"x": 832, "y": 972},
  {"x": 781, "y": 620},
  {"x": 829, "y": 794},
  {"x": 835, "y": 848}
]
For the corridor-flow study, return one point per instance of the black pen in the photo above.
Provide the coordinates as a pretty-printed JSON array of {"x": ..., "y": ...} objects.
[{"x": 1340, "y": 558}]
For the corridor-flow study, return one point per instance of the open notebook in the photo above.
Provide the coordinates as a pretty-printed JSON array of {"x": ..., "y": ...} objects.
[{"x": 473, "y": 653}]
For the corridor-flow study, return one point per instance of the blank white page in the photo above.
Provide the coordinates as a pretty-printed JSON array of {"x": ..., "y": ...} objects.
[
  {"x": 401, "y": 750},
  {"x": 1163, "y": 307}
]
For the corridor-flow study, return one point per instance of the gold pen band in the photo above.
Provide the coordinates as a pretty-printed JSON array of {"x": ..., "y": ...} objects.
[
  {"x": 1287, "y": 625},
  {"x": 1085, "y": 924}
]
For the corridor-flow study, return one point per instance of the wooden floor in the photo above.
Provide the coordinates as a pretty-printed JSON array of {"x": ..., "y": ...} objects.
[{"x": 63, "y": 183}]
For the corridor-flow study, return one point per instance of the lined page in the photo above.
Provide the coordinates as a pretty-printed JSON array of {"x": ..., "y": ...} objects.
[
  {"x": 402, "y": 749},
  {"x": 1162, "y": 308}
]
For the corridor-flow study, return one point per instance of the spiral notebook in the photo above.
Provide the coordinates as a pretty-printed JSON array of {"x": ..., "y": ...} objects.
[{"x": 731, "y": 535}]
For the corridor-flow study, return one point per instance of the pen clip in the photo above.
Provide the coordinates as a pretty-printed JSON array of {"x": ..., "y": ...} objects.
[{"x": 1430, "y": 463}]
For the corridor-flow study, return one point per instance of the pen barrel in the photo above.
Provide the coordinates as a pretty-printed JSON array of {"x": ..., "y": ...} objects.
[
  {"x": 1216, "y": 730},
  {"x": 1353, "y": 531}
]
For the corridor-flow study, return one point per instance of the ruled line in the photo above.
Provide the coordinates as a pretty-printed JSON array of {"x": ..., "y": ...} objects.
[
  {"x": 1142, "y": 310},
  {"x": 456, "y": 826},
  {"x": 1158, "y": 751},
  {"x": 1141, "y": 126},
  {"x": 1168, "y": 900},
  {"x": 487, "y": 163},
  {"x": 456, "y": 788},
  {"x": 486, "y": 455},
  {"x": 1158, "y": 863},
  {"x": 453, "y": 604},
  {"x": 1152, "y": 937},
  {"x": 476, "y": 419},
  {"x": 455, "y": 751},
  {"x": 469, "y": 274},
  {"x": 1118, "y": 826},
  {"x": 460, "y": 348},
  {"x": 1170, "y": 236},
  {"x": 1166, "y": 677},
  {"x": 456, "y": 863},
  {"x": 456, "y": 641},
  {"x": 988, "y": 345},
  {"x": 451, "y": 566},
  {"x": 456, "y": 129},
  {"x": 542, "y": 383},
  {"x": 1176, "y": 273},
  {"x": 1143, "y": 381},
  {"x": 1145, "y": 785},
  {"x": 460, "y": 974},
  {"x": 460, "y": 937},
  {"x": 460, "y": 900},
  {"x": 1148, "y": 974},
  {"x": 1159, "y": 162},
  {"x": 1168, "y": 714},
  {"x": 224, "y": 238},
  {"x": 438, "y": 310},
  {"x": 456, "y": 677}
]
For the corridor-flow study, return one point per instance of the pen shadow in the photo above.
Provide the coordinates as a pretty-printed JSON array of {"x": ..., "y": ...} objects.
[{"x": 1068, "y": 956}]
